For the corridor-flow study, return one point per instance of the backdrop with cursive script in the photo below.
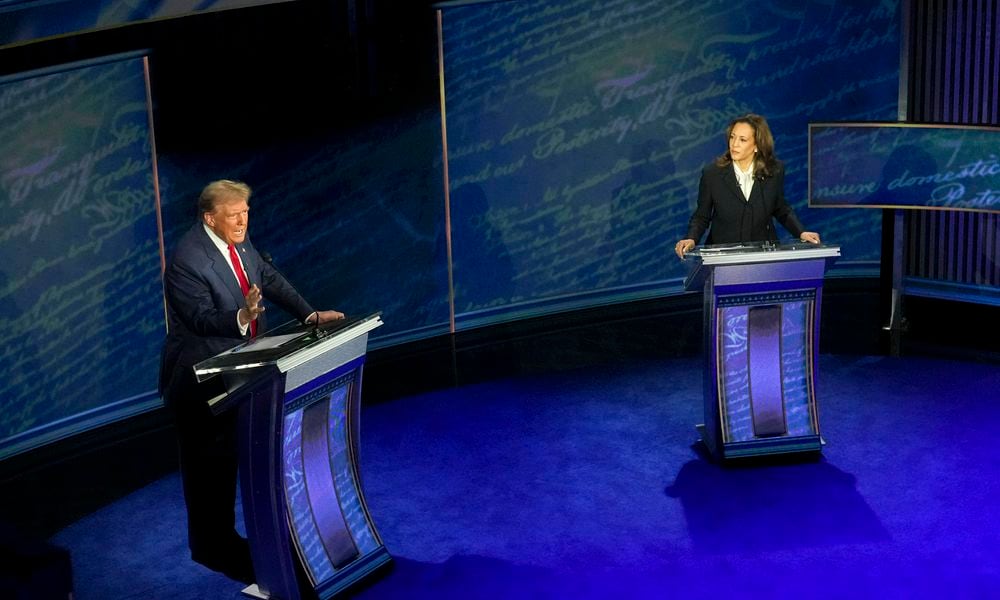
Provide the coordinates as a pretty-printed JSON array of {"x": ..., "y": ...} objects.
[
  {"x": 577, "y": 130},
  {"x": 81, "y": 309}
]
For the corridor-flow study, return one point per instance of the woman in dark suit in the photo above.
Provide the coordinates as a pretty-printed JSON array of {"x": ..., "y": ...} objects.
[{"x": 743, "y": 191}]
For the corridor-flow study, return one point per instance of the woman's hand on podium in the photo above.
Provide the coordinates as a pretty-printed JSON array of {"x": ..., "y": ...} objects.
[
  {"x": 683, "y": 247},
  {"x": 809, "y": 236}
]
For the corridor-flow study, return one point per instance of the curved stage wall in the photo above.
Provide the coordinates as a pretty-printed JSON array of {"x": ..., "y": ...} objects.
[
  {"x": 81, "y": 309},
  {"x": 575, "y": 132}
]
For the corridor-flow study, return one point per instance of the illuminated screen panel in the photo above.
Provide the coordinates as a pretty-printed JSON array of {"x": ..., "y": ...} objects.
[
  {"x": 24, "y": 21},
  {"x": 895, "y": 165},
  {"x": 81, "y": 305},
  {"x": 577, "y": 130}
]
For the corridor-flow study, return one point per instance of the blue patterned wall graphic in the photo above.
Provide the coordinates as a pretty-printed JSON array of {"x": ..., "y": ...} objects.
[
  {"x": 81, "y": 314},
  {"x": 735, "y": 383},
  {"x": 577, "y": 130}
]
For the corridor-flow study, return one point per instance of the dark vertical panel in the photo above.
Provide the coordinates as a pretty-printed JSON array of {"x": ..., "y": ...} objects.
[
  {"x": 910, "y": 219},
  {"x": 928, "y": 79},
  {"x": 994, "y": 252},
  {"x": 926, "y": 67},
  {"x": 945, "y": 253},
  {"x": 963, "y": 228},
  {"x": 975, "y": 34},
  {"x": 972, "y": 274},
  {"x": 970, "y": 241},
  {"x": 951, "y": 50},
  {"x": 976, "y": 221},
  {"x": 927, "y": 230},
  {"x": 994, "y": 82},
  {"x": 954, "y": 248},
  {"x": 986, "y": 242},
  {"x": 921, "y": 248},
  {"x": 963, "y": 91},
  {"x": 938, "y": 82},
  {"x": 979, "y": 262},
  {"x": 975, "y": 63},
  {"x": 954, "y": 74},
  {"x": 915, "y": 65}
]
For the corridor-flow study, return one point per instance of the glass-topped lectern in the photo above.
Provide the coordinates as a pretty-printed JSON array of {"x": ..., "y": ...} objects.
[
  {"x": 761, "y": 344},
  {"x": 298, "y": 391}
]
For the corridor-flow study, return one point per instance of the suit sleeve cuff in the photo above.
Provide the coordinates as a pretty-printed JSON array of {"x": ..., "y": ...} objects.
[{"x": 243, "y": 328}]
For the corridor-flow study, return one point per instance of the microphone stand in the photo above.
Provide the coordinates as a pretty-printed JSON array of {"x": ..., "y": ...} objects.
[{"x": 264, "y": 254}]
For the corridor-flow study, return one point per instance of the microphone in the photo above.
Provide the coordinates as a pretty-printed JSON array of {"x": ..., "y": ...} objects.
[
  {"x": 270, "y": 261},
  {"x": 264, "y": 254}
]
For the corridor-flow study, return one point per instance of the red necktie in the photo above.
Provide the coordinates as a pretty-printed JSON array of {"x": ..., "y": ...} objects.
[{"x": 244, "y": 284}]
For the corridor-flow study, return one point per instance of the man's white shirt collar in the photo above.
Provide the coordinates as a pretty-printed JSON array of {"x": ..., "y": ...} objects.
[{"x": 219, "y": 242}]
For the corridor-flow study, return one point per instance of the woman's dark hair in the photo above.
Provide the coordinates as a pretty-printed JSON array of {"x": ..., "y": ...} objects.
[{"x": 765, "y": 163}]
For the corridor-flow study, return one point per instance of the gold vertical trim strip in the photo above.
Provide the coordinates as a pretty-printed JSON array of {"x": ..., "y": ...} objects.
[
  {"x": 719, "y": 379},
  {"x": 447, "y": 187},
  {"x": 811, "y": 366},
  {"x": 156, "y": 186}
]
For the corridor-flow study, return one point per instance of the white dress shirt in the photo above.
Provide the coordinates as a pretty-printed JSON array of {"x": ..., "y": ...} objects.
[{"x": 745, "y": 179}]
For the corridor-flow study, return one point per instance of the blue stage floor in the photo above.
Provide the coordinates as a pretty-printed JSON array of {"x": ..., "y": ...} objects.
[{"x": 586, "y": 484}]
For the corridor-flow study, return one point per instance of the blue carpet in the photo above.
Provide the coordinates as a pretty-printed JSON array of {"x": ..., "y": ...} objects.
[{"x": 586, "y": 484}]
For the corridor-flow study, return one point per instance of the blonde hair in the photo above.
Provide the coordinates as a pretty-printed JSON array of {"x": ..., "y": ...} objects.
[{"x": 217, "y": 190}]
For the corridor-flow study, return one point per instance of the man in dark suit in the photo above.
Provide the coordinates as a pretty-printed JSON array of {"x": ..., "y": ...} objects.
[
  {"x": 743, "y": 191},
  {"x": 214, "y": 284}
]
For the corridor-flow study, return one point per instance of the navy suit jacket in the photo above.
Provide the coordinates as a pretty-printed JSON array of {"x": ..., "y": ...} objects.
[
  {"x": 203, "y": 297},
  {"x": 733, "y": 219}
]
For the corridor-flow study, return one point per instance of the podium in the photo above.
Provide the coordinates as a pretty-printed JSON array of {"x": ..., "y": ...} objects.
[
  {"x": 761, "y": 338},
  {"x": 298, "y": 393}
]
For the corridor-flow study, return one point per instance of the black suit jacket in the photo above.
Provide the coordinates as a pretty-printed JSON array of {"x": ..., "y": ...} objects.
[
  {"x": 203, "y": 297},
  {"x": 733, "y": 219}
]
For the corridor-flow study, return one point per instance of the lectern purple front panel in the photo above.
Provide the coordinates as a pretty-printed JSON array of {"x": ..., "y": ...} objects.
[{"x": 767, "y": 398}]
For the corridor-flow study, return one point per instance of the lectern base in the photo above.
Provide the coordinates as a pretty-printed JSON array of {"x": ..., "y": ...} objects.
[
  {"x": 355, "y": 572},
  {"x": 350, "y": 575},
  {"x": 804, "y": 444}
]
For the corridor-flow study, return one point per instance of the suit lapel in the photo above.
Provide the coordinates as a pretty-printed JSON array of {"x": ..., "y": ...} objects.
[
  {"x": 757, "y": 193},
  {"x": 729, "y": 177},
  {"x": 221, "y": 268}
]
